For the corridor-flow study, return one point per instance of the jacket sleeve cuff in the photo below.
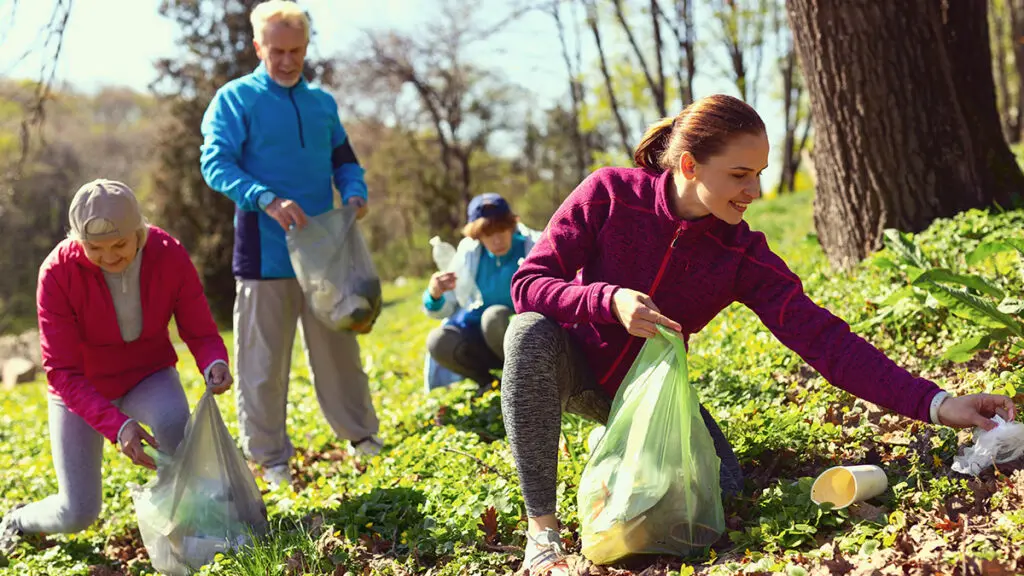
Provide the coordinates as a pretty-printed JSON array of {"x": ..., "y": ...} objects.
[
  {"x": 117, "y": 439},
  {"x": 355, "y": 190},
  {"x": 601, "y": 300},
  {"x": 432, "y": 304},
  {"x": 250, "y": 200},
  {"x": 206, "y": 373}
]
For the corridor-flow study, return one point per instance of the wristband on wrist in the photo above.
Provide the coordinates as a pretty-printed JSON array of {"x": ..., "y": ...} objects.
[{"x": 937, "y": 401}]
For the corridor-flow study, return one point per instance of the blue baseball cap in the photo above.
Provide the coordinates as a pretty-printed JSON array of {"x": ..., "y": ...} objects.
[{"x": 488, "y": 205}]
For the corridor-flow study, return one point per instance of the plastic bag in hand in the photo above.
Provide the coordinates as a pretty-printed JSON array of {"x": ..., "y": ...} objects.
[
  {"x": 336, "y": 272},
  {"x": 651, "y": 485},
  {"x": 1002, "y": 444},
  {"x": 449, "y": 259},
  {"x": 203, "y": 500}
]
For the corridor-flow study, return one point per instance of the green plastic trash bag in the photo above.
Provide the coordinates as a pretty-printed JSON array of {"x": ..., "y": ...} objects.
[
  {"x": 203, "y": 500},
  {"x": 336, "y": 272},
  {"x": 651, "y": 485}
]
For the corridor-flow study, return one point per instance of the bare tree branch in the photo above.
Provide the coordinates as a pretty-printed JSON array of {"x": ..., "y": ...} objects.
[
  {"x": 575, "y": 89},
  {"x": 682, "y": 27},
  {"x": 592, "y": 21},
  {"x": 657, "y": 89},
  {"x": 35, "y": 111}
]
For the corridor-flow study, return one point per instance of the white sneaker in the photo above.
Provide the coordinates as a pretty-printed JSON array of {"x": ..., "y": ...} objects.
[
  {"x": 546, "y": 555},
  {"x": 369, "y": 446},
  {"x": 277, "y": 476}
]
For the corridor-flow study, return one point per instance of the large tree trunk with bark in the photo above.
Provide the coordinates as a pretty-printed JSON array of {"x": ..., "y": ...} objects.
[
  {"x": 967, "y": 45},
  {"x": 895, "y": 147}
]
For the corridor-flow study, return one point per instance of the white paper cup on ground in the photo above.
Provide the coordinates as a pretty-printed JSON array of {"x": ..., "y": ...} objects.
[{"x": 844, "y": 485}]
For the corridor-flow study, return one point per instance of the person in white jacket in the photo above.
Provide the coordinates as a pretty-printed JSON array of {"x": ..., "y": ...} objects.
[{"x": 475, "y": 299}]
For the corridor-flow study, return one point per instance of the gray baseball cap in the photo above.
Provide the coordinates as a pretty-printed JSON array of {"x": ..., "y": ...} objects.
[{"x": 103, "y": 210}]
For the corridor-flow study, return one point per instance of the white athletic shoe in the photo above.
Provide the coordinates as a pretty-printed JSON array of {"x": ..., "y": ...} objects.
[
  {"x": 546, "y": 555},
  {"x": 369, "y": 446},
  {"x": 277, "y": 476}
]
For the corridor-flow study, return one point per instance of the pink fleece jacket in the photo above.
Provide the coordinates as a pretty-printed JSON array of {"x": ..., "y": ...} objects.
[
  {"x": 617, "y": 230},
  {"x": 87, "y": 362}
]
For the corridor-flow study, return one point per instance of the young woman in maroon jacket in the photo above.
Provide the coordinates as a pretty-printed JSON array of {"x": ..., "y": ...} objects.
[
  {"x": 665, "y": 244},
  {"x": 106, "y": 296}
]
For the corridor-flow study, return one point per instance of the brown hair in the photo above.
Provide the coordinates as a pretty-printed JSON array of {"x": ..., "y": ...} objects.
[
  {"x": 703, "y": 129},
  {"x": 487, "y": 226}
]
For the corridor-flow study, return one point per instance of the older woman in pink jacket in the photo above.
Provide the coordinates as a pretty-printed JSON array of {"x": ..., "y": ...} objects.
[{"x": 105, "y": 299}]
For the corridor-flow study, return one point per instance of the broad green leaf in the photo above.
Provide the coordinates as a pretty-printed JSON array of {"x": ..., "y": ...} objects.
[
  {"x": 987, "y": 249},
  {"x": 969, "y": 280},
  {"x": 905, "y": 248},
  {"x": 966, "y": 350},
  {"x": 905, "y": 292},
  {"x": 970, "y": 307},
  {"x": 884, "y": 263}
]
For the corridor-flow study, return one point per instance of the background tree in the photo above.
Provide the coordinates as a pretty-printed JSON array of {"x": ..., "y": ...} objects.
[
  {"x": 898, "y": 142},
  {"x": 796, "y": 114}
]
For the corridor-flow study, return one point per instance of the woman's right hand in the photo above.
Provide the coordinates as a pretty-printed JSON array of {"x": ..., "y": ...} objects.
[
  {"x": 131, "y": 444},
  {"x": 440, "y": 283},
  {"x": 638, "y": 313}
]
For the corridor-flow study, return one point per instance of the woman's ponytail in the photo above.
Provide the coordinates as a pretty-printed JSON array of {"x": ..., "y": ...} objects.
[{"x": 652, "y": 146}]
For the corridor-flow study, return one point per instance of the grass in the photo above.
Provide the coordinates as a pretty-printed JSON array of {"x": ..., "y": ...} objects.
[{"x": 443, "y": 498}]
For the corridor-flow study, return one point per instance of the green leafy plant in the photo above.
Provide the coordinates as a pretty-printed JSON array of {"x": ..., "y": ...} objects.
[{"x": 971, "y": 297}]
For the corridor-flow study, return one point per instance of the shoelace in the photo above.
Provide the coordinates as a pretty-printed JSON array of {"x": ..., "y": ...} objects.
[{"x": 552, "y": 551}]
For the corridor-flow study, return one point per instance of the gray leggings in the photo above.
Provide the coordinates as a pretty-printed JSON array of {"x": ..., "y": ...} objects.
[
  {"x": 469, "y": 352},
  {"x": 158, "y": 401},
  {"x": 545, "y": 375}
]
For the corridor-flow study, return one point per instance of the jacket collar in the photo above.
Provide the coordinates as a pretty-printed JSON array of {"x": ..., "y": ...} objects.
[{"x": 261, "y": 74}]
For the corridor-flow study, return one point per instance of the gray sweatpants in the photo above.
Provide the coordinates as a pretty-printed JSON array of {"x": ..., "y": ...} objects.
[
  {"x": 472, "y": 352},
  {"x": 545, "y": 375},
  {"x": 158, "y": 402},
  {"x": 266, "y": 315}
]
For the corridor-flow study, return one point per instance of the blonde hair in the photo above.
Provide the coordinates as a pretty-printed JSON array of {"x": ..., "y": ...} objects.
[{"x": 271, "y": 11}]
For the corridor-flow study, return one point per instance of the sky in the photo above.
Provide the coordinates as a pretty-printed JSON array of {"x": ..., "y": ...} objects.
[{"x": 97, "y": 52}]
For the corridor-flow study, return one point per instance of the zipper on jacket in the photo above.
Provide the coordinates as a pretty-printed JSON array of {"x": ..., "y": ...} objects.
[
  {"x": 650, "y": 292},
  {"x": 298, "y": 117},
  {"x": 664, "y": 262}
]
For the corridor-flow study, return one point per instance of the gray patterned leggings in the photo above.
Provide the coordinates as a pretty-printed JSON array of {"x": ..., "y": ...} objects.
[{"x": 545, "y": 375}]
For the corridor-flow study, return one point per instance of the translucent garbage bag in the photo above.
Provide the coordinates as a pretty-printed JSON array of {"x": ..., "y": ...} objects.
[
  {"x": 449, "y": 259},
  {"x": 651, "y": 485},
  {"x": 203, "y": 500},
  {"x": 336, "y": 272},
  {"x": 1003, "y": 443}
]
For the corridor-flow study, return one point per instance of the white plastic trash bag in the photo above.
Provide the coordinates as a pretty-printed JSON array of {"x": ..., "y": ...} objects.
[
  {"x": 203, "y": 500},
  {"x": 335, "y": 270},
  {"x": 449, "y": 259},
  {"x": 1003, "y": 443}
]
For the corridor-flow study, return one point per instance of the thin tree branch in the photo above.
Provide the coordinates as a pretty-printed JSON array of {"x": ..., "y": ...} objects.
[
  {"x": 657, "y": 89},
  {"x": 592, "y": 21}
]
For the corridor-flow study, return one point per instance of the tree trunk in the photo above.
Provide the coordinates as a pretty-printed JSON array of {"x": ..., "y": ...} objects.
[
  {"x": 789, "y": 110},
  {"x": 967, "y": 44},
  {"x": 893, "y": 147},
  {"x": 999, "y": 36},
  {"x": 1017, "y": 41}
]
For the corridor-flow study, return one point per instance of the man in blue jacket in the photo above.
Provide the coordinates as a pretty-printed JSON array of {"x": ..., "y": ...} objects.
[{"x": 274, "y": 144}]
